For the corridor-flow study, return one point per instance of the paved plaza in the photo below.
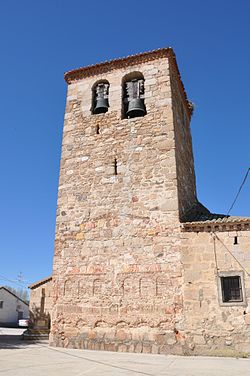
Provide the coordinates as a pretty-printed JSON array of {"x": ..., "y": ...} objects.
[{"x": 22, "y": 358}]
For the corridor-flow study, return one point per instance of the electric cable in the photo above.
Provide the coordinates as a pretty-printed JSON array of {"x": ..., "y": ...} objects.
[
  {"x": 228, "y": 250},
  {"x": 13, "y": 281},
  {"x": 244, "y": 180}
]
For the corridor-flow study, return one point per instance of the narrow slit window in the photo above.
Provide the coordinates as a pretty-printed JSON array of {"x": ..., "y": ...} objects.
[
  {"x": 236, "y": 240},
  {"x": 115, "y": 166},
  {"x": 97, "y": 129},
  {"x": 1, "y": 303}
]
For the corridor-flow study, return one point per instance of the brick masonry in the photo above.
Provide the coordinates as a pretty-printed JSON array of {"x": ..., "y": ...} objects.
[{"x": 122, "y": 263}]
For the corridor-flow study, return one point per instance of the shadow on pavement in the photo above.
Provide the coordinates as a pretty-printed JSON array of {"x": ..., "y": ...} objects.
[{"x": 16, "y": 342}]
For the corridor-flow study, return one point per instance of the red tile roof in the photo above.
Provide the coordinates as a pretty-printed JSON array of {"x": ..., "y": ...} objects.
[
  {"x": 39, "y": 283},
  {"x": 199, "y": 218}
]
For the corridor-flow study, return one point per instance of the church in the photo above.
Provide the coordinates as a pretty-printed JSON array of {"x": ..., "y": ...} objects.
[{"x": 140, "y": 265}]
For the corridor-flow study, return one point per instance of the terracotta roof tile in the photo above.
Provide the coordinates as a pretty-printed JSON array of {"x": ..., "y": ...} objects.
[
  {"x": 106, "y": 66},
  {"x": 200, "y": 216},
  {"x": 41, "y": 282}
]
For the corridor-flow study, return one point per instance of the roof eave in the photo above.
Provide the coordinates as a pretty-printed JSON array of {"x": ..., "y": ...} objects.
[
  {"x": 106, "y": 66},
  {"x": 39, "y": 283},
  {"x": 17, "y": 297},
  {"x": 212, "y": 226}
]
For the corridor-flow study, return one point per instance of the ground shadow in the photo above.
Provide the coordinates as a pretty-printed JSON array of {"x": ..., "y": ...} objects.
[{"x": 14, "y": 342}]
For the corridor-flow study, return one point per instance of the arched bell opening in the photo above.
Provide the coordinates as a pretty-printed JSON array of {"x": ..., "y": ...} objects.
[
  {"x": 133, "y": 95},
  {"x": 100, "y": 97}
]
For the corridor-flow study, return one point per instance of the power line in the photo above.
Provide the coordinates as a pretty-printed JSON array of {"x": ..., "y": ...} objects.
[
  {"x": 244, "y": 180},
  {"x": 228, "y": 250},
  {"x": 12, "y": 281}
]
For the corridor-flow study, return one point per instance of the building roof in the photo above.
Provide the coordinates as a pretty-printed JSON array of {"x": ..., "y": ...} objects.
[
  {"x": 10, "y": 292},
  {"x": 106, "y": 66},
  {"x": 200, "y": 218},
  {"x": 39, "y": 283}
]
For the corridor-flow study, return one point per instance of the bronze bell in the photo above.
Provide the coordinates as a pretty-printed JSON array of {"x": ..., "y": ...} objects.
[
  {"x": 101, "y": 106},
  {"x": 136, "y": 108}
]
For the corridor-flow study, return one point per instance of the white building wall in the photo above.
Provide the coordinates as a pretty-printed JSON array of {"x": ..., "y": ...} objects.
[{"x": 10, "y": 308}]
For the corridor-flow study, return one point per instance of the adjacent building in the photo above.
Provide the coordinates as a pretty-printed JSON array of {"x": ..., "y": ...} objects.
[
  {"x": 140, "y": 265},
  {"x": 12, "y": 308},
  {"x": 41, "y": 297},
  {"x": 40, "y": 309}
]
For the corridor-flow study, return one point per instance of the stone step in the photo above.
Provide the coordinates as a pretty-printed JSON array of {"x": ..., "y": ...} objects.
[{"x": 33, "y": 334}]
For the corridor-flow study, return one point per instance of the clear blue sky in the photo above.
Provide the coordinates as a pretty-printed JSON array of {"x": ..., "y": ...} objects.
[{"x": 40, "y": 40}]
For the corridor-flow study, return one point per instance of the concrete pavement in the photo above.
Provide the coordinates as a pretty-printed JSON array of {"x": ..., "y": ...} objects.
[{"x": 19, "y": 358}]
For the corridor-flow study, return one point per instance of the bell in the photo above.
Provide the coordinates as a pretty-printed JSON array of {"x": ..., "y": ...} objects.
[
  {"x": 101, "y": 106},
  {"x": 136, "y": 108}
]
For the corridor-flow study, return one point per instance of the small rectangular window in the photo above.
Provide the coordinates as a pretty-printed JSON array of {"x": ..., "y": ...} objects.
[
  {"x": 1, "y": 303},
  {"x": 231, "y": 289}
]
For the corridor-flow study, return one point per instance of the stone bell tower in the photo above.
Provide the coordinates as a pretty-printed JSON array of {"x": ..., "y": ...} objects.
[{"x": 126, "y": 181}]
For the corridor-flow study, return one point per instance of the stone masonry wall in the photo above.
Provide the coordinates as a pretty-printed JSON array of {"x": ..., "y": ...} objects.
[
  {"x": 213, "y": 328},
  {"x": 126, "y": 276},
  {"x": 183, "y": 150},
  {"x": 117, "y": 271},
  {"x": 37, "y": 293}
]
